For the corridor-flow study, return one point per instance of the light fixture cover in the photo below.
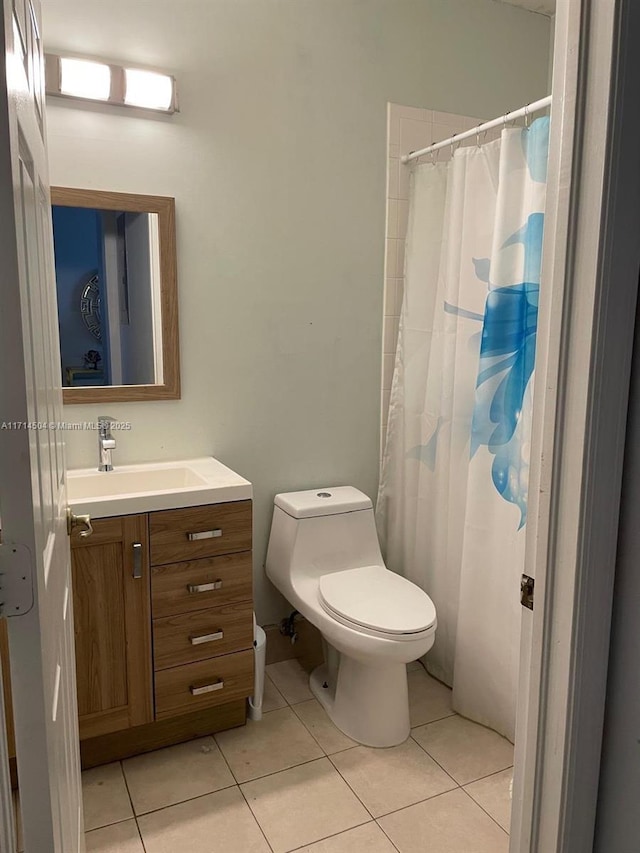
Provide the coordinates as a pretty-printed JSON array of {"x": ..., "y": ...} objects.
[
  {"x": 85, "y": 79},
  {"x": 148, "y": 89}
]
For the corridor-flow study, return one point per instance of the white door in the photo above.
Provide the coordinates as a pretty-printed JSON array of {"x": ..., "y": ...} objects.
[
  {"x": 35, "y": 586},
  {"x": 585, "y": 333}
]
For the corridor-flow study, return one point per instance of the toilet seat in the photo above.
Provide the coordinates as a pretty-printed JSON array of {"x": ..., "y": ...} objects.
[{"x": 378, "y": 601}]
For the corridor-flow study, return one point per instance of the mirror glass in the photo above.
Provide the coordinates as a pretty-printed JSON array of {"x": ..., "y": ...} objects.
[
  {"x": 114, "y": 281},
  {"x": 107, "y": 264}
]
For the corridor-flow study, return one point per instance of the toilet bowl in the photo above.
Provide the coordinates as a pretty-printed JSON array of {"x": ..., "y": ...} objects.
[{"x": 324, "y": 557}]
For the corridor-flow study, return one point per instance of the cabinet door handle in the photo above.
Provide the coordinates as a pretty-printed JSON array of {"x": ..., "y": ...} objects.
[
  {"x": 206, "y": 638},
  {"x": 206, "y": 688},
  {"x": 204, "y": 534},
  {"x": 204, "y": 587},
  {"x": 137, "y": 560}
]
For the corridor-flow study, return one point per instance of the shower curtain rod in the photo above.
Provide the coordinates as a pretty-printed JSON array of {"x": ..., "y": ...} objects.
[{"x": 481, "y": 128}]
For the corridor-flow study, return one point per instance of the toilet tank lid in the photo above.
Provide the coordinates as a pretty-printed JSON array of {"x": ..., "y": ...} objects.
[{"x": 326, "y": 501}]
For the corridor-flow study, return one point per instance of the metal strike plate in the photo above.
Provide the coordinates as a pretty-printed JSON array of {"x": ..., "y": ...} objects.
[
  {"x": 527, "y": 585},
  {"x": 16, "y": 580}
]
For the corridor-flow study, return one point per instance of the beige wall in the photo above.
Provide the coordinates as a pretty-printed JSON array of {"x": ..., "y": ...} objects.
[{"x": 277, "y": 161}]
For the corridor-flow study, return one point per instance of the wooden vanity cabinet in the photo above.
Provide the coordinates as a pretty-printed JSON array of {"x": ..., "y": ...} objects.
[
  {"x": 163, "y": 619},
  {"x": 112, "y": 620},
  {"x": 180, "y": 633}
]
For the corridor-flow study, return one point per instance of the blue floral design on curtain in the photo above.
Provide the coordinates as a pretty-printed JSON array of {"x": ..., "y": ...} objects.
[{"x": 508, "y": 346}]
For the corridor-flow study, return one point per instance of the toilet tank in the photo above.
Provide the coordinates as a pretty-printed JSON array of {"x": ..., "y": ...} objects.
[{"x": 319, "y": 531}]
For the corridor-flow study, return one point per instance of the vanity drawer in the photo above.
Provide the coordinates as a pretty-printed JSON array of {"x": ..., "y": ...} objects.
[
  {"x": 200, "y": 584},
  {"x": 204, "y": 684},
  {"x": 204, "y": 634},
  {"x": 201, "y": 531}
]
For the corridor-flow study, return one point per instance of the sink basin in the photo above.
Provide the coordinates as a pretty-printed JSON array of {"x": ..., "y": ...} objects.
[{"x": 154, "y": 486}]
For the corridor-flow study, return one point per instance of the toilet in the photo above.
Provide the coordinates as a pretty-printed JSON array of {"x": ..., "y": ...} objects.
[{"x": 324, "y": 557}]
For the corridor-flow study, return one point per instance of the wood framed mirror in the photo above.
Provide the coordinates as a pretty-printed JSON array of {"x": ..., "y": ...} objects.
[{"x": 116, "y": 280}]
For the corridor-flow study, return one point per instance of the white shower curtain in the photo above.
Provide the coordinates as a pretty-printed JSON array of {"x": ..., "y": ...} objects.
[{"x": 452, "y": 501}]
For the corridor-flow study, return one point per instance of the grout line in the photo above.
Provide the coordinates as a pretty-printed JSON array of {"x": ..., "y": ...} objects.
[
  {"x": 487, "y": 776},
  {"x": 182, "y": 802},
  {"x": 126, "y": 785},
  {"x": 233, "y": 784},
  {"x": 424, "y": 800},
  {"x": 259, "y": 825},
  {"x": 144, "y": 847},
  {"x": 364, "y": 805},
  {"x": 224, "y": 758},
  {"x": 282, "y": 770},
  {"x": 333, "y": 835},
  {"x": 482, "y": 808},
  {"x": 384, "y": 832},
  {"x": 111, "y": 823},
  {"x": 436, "y": 761},
  {"x": 437, "y": 720}
]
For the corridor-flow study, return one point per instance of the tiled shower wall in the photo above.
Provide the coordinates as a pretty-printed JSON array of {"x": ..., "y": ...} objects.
[{"x": 408, "y": 129}]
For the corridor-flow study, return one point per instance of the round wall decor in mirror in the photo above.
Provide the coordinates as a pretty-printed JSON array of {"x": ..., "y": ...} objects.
[{"x": 90, "y": 307}]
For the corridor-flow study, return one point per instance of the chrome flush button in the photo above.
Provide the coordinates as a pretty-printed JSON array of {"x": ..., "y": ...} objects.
[{"x": 324, "y": 495}]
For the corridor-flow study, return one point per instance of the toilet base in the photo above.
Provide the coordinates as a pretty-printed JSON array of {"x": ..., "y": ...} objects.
[{"x": 370, "y": 704}]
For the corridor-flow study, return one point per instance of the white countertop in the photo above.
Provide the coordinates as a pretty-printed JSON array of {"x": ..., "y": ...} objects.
[{"x": 153, "y": 486}]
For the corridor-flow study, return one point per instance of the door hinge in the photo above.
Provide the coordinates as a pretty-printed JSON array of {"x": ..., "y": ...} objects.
[
  {"x": 16, "y": 580},
  {"x": 527, "y": 585}
]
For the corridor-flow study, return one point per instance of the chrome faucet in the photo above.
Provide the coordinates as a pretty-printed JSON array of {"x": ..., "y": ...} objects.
[{"x": 106, "y": 442}]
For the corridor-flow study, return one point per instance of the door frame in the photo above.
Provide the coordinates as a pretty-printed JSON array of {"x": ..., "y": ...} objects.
[{"x": 586, "y": 333}]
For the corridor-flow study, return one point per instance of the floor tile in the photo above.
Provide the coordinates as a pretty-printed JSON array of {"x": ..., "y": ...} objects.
[
  {"x": 390, "y": 779},
  {"x": 272, "y": 699},
  {"x": 291, "y": 680},
  {"x": 177, "y": 773},
  {"x": 450, "y": 823},
  {"x": 493, "y": 794},
  {"x": 429, "y": 700},
  {"x": 105, "y": 796},
  {"x": 303, "y": 805},
  {"x": 466, "y": 750},
  {"x": 216, "y": 823},
  {"x": 276, "y": 742},
  {"x": 119, "y": 838},
  {"x": 315, "y": 718},
  {"x": 368, "y": 838}
]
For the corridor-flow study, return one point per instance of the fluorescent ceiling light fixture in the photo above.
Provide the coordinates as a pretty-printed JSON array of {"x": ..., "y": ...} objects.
[
  {"x": 84, "y": 79},
  {"x": 148, "y": 89}
]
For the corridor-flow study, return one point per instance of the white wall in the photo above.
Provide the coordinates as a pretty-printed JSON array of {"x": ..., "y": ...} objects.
[{"x": 277, "y": 162}]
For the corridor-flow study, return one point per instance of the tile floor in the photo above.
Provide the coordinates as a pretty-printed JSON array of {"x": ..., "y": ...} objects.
[{"x": 294, "y": 782}]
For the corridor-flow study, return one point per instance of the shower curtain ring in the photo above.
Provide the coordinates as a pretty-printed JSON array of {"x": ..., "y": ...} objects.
[{"x": 527, "y": 117}]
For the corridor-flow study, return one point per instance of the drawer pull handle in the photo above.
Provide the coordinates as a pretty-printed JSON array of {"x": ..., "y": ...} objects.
[
  {"x": 204, "y": 587},
  {"x": 206, "y": 638},
  {"x": 205, "y": 534},
  {"x": 206, "y": 688}
]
